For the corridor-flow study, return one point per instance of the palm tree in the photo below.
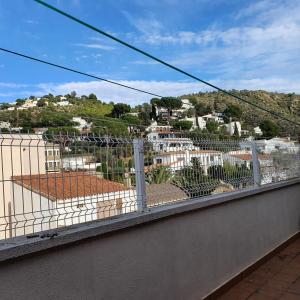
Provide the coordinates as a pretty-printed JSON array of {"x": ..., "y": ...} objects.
[{"x": 159, "y": 175}]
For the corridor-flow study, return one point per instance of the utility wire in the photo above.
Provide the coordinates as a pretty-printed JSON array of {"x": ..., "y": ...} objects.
[
  {"x": 78, "y": 72},
  {"x": 162, "y": 61}
]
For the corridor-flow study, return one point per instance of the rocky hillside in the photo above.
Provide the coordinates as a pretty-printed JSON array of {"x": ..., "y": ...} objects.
[{"x": 287, "y": 105}]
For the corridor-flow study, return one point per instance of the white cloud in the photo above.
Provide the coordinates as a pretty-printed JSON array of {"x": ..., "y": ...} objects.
[
  {"x": 96, "y": 46},
  {"x": 108, "y": 92},
  {"x": 12, "y": 85}
]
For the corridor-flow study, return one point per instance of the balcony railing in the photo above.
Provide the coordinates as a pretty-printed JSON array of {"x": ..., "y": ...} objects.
[{"x": 122, "y": 176}]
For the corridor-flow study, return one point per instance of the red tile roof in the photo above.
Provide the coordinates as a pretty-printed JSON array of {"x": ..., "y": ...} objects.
[
  {"x": 67, "y": 185},
  {"x": 246, "y": 156}
]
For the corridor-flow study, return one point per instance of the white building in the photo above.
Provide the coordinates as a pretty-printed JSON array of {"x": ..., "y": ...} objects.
[
  {"x": 163, "y": 112},
  {"x": 21, "y": 154},
  {"x": 180, "y": 159},
  {"x": 257, "y": 130},
  {"x": 186, "y": 104},
  {"x": 62, "y": 103},
  {"x": 48, "y": 201},
  {"x": 216, "y": 117},
  {"x": 276, "y": 144},
  {"x": 231, "y": 127},
  {"x": 52, "y": 157},
  {"x": 82, "y": 162},
  {"x": 158, "y": 128},
  {"x": 5, "y": 125},
  {"x": 83, "y": 125}
]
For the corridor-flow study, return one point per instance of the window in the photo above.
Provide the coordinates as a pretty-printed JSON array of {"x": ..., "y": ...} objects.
[
  {"x": 80, "y": 205},
  {"x": 50, "y": 153},
  {"x": 211, "y": 157},
  {"x": 180, "y": 158},
  {"x": 158, "y": 160},
  {"x": 161, "y": 147}
]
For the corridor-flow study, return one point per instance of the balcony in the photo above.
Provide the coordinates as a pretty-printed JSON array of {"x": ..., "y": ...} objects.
[{"x": 189, "y": 242}]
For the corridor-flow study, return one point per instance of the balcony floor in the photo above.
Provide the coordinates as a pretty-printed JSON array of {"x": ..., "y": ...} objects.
[{"x": 278, "y": 278}]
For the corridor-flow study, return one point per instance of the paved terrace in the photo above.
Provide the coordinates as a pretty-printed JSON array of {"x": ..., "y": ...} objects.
[{"x": 278, "y": 278}]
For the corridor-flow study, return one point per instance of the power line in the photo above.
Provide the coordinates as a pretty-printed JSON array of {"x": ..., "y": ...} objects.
[
  {"x": 162, "y": 61},
  {"x": 78, "y": 72}
]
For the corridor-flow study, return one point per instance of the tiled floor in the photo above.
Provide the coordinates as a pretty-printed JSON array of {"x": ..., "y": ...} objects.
[{"x": 278, "y": 278}]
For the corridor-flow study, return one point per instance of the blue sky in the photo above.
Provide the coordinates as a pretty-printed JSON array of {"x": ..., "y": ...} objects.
[{"x": 235, "y": 44}]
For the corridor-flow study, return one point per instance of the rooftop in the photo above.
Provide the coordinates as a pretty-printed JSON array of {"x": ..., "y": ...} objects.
[
  {"x": 164, "y": 193},
  {"x": 190, "y": 152},
  {"x": 67, "y": 185}
]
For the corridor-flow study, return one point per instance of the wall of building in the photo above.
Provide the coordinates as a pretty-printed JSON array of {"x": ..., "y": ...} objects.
[
  {"x": 183, "y": 251},
  {"x": 19, "y": 155}
]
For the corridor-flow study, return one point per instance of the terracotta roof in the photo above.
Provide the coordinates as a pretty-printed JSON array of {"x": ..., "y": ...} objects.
[
  {"x": 170, "y": 153},
  {"x": 67, "y": 185},
  {"x": 164, "y": 193},
  {"x": 247, "y": 156}
]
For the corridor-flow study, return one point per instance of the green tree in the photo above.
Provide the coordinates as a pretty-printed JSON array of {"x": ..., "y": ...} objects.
[
  {"x": 159, "y": 175},
  {"x": 41, "y": 103},
  {"x": 4, "y": 106},
  {"x": 20, "y": 102},
  {"x": 236, "y": 131},
  {"x": 232, "y": 112},
  {"x": 120, "y": 109},
  {"x": 92, "y": 97},
  {"x": 182, "y": 125},
  {"x": 212, "y": 126},
  {"x": 269, "y": 128},
  {"x": 169, "y": 103},
  {"x": 202, "y": 109}
]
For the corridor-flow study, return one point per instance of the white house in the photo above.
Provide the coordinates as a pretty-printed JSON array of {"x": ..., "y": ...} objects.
[
  {"x": 82, "y": 162},
  {"x": 277, "y": 144},
  {"x": 52, "y": 157},
  {"x": 5, "y": 125},
  {"x": 48, "y": 201},
  {"x": 62, "y": 103},
  {"x": 29, "y": 103},
  {"x": 21, "y": 154},
  {"x": 257, "y": 130},
  {"x": 231, "y": 127},
  {"x": 186, "y": 104},
  {"x": 83, "y": 125},
  {"x": 180, "y": 159},
  {"x": 158, "y": 128},
  {"x": 217, "y": 117},
  {"x": 163, "y": 112}
]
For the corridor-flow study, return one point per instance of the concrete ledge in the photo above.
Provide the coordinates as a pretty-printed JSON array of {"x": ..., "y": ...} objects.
[{"x": 21, "y": 246}]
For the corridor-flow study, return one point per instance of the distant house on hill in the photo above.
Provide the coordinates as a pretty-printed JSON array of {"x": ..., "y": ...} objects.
[
  {"x": 177, "y": 160},
  {"x": 233, "y": 126},
  {"x": 83, "y": 126}
]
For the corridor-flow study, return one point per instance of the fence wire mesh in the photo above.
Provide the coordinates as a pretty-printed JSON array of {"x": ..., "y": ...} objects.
[{"x": 52, "y": 181}]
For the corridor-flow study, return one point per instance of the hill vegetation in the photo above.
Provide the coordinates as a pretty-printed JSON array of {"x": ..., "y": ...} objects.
[
  {"x": 287, "y": 105},
  {"x": 114, "y": 118}
]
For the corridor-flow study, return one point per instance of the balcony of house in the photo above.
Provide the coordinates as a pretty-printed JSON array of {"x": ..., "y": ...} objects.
[{"x": 137, "y": 229}]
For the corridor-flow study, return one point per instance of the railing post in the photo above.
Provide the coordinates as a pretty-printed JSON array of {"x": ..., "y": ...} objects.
[
  {"x": 138, "y": 148},
  {"x": 255, "y": 166}
]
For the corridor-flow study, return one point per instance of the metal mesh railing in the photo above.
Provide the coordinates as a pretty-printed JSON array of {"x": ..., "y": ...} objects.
[{"x": 52, "y": 181}]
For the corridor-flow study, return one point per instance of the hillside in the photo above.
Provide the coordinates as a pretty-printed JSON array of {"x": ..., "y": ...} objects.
[
  {"x": 48, "y": 111},
  {"x": 286, "y": 104}
]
